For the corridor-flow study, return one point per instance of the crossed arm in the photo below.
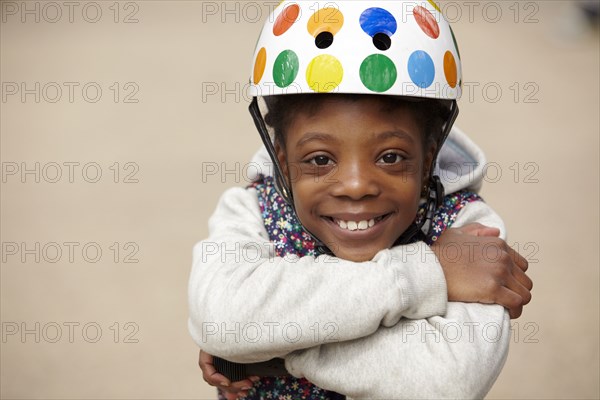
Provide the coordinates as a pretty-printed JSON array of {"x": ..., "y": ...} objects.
[{"x": 386, "y": 311}]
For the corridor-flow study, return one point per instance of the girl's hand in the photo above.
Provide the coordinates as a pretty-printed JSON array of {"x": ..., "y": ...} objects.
[
  {"x": 232, "y": 390},
  {"x": 482, "y": 268}
]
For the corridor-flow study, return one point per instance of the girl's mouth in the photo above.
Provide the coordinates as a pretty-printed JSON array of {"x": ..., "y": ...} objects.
[{"x": 359, "y": 225}]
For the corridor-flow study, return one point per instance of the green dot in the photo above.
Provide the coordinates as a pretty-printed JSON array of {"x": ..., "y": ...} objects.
[
  {"x": 286, "y": 68},
  {"x": 378, "y": 73}
]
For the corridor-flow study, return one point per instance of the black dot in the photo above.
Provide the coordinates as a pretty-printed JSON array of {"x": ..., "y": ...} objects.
[
  {"x": 382, "y": 41},
  {"x": 324, "y": 40}
]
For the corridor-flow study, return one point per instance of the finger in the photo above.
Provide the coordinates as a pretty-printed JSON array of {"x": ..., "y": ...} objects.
[
  {"x": 508, "y": 299},
  {"x": 235, "y": 395},
  {"x": 205, "y": 361},
  {"x": 205, "y": 364},
  {"x": 518, "y": 259},
  {"x": 515, "y": 312},
  {"x": 488, "y": 231},
  {"x": 216, "y": 379},
  {"x": 245, "y": 384},
  {"x": 209, "y": 373},
  {"x": 522, "y": 278},
  {"x": 514, "y": 285},
  {"x": 477, "y": 229}
]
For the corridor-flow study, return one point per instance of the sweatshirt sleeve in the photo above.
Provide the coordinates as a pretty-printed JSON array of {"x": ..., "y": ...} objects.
[
  {"x": 458, "y": 354},
  {"x": 247, "y": 305}
]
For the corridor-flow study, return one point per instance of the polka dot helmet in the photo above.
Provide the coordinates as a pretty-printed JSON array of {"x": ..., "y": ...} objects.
[
  {"x": 385, "y": 47},
  {"x": 402, "y": 48}
]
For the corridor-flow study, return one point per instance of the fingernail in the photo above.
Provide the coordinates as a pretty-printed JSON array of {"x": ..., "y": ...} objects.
[
  {"x": 246, "y": 388},
  {"x": 224, "y": 383},
  {"x": 255, "y": 378}
]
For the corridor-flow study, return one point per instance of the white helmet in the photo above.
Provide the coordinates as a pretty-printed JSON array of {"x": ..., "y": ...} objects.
[
  {"x": 402, "y": 48},
  {"x": 384, "y": 47}
]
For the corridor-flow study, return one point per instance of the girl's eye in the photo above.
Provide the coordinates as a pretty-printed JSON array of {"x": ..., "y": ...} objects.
[
  {"x": 320, "y": 160},
  {"x": 390, "y": 158}
]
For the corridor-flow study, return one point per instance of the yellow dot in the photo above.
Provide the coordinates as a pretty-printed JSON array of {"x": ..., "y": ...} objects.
[{"x": 324, "y": 73}]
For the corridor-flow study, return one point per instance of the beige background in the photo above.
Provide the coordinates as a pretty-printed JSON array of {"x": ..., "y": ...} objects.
[{"x": 544, "y": 142}]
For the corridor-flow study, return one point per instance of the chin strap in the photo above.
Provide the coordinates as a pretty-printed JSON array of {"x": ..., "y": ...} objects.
[
  {"x": 435, "y": 198},
  {"x": 281, "y": 184}
]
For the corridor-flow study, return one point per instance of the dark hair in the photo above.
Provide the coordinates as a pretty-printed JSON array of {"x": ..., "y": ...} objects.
[{"x": 431, "y": 112}]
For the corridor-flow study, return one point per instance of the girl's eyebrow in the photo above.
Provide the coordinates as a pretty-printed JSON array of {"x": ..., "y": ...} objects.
[
  {"x": 400, "y": 134},
  {"x": 324, "y": 137},
  {"x": 316, "y": 136}
]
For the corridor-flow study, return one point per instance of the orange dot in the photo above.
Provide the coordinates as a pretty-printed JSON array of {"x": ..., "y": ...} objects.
[
  {"x": 286, "y": 19},
  {"x": 259, "y": 65},
  {"x": 450, "y": 69},
  {"x": 325, "y": 20}
]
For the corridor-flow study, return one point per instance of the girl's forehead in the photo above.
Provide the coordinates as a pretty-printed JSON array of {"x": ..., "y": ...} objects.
[
  {"x": 358, "y": 110},
  {"x": 364, "y": 120}
]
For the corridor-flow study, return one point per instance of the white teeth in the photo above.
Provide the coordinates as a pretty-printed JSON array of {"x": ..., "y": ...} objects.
[{"x": 353, "y": 225}]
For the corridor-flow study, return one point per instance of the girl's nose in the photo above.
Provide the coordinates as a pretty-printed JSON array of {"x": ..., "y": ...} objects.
[{"x": 354, "y": 180}]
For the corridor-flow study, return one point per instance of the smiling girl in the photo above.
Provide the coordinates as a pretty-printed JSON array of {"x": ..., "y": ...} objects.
[
  {"x": 345, "y": 243},
  {"x": 361, "y": 165}
]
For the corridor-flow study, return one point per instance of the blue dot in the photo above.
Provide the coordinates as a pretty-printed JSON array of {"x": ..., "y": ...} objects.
[
  {"x": 377, "y": 20},
  {"x": 421, "y": 69}
]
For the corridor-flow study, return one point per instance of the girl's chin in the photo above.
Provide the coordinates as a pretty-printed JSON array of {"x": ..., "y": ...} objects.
[{"x": 355, "y": 254}]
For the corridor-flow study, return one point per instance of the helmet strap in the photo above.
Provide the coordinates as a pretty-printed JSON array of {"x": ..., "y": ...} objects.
[{"x": 281, "y": 183}]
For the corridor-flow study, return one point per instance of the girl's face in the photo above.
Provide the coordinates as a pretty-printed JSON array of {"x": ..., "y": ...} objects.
[{"x": 356, "y": 171}]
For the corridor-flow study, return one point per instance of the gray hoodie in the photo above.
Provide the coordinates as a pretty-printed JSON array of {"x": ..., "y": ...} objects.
[{"x": 381, "y": 329}]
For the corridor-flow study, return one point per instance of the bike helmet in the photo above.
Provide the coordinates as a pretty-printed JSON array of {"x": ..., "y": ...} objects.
[{"x": 395, "y": 48}]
